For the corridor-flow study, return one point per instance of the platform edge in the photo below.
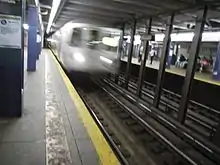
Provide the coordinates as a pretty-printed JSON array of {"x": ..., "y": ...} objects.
[{"x": 103, "y": 149}]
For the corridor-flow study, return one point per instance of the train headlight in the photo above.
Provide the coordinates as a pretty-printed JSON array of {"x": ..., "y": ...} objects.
[
  {"x": 79, "y": 57},
  {"x": 106, "y": 60}
]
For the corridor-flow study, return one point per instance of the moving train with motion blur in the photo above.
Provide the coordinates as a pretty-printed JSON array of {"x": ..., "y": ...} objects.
[{"x": 87, "y": 48}]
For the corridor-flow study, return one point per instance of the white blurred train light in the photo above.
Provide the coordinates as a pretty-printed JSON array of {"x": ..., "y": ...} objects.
[
  {"x": 104, "y": 59},
  {"x": 110, "y": 41},
  {"x": 79, "y": 57}
]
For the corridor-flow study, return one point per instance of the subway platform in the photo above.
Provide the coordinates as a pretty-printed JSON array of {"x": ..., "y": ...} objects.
[
  {"x": 55, "y": 128},
  {"x": 203, "y": 77}
]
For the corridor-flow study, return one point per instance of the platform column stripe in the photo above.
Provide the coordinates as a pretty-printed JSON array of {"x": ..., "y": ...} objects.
[{"x": 104, "y": 151}]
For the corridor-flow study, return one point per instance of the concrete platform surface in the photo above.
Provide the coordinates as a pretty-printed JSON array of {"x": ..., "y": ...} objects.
[{"x": 50, "y": 130}]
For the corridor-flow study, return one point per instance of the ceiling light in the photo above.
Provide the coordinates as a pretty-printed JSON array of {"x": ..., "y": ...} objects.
[
  {"x": 26, "y": 26},
  {"x": 44, "y": 12},
  {"x": 55, "y": 6},
  {"x": 51, "y": 40},
  {"x": 188, "y": 37},
  {"x": 36, "y": 2}
]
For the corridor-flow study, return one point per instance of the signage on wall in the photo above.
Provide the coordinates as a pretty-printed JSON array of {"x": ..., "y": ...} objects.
[
  {"x": 148, "y": 37},
  {"x": 10, "y": 31},
  {"x": 38, "y": 38}
]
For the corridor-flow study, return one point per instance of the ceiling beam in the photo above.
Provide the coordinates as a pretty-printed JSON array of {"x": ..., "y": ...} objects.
[
  {"x": 155, "y": 4},
  {"x": 114, "y": 6},
  {"x": 62, "y": 3},
  {"x": 45, "y": 6},
  {"x": 127, "y": 9},
  {"x": 81, "y": 13},
  {"x": 138, "y": 3},
  {"x": 95, "y": 10},
  {"x": 84, "y": 15},
  {"x": 61, "y": 21}
]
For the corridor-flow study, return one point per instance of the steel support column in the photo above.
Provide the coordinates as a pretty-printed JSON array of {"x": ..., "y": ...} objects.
[
  {"x": 120, "y": 50},
  {"x": 177, "y": 49},
  {"x": 163, "y": 59},
  {"x": 143, "y": 61},
  {"x": 23, "y": 6},
  {"x": 216, "y": 69},
  {"x": 32, "y": 36},
  {"x": 11, "y": 59},
  {"x": 191, "y": 67},
  {"x": 127, "y": 76}
]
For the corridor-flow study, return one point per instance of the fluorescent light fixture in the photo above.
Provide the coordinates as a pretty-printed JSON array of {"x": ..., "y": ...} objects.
[
  {"x": 79, "y": 57},
  {"x": 55, "y": 6},
  {"x": 211, "y": 36},
  {"x": 26, "y": 26},
  {"x": 182, "y": 36},
  {"x": 106, "y": 60},
  {"x": 181, "y": 27},
  {"x": 51, "y": 40},
  {"x": 188, "y": 37},
  {"x": 36, "y": 2},
  {"x": 159, "y": 37},
  {"x": 44, "y": 13}
]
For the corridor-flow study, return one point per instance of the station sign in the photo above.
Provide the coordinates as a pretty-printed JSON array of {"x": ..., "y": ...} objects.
[
  {"x": 148, "y": 37},
  {"x": 10, "y": 31}
]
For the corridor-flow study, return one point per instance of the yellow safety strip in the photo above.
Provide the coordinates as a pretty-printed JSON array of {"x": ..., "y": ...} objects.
[
  {"x": 104, "y": 151},
  {"x": 196, "y": 78}
]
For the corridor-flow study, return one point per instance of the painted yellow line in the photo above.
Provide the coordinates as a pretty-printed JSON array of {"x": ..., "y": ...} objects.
[
  {"x": 104, "y": 151},
  {"x": 196, "y": 77}
]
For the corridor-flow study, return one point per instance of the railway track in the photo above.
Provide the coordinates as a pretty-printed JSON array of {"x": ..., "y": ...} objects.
[
  {"x": 193, "y": 105},
  {"x": 198, "y": 142},
  {"x": 198, "y": 121},
  {"x": 136, "y": 136}
]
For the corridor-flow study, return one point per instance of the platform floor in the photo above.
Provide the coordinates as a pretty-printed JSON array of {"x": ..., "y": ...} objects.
[
  {"x": 54, "y": 128},
  {"x": 205, "y": 77}
]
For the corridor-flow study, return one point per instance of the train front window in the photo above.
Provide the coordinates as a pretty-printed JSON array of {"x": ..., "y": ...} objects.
[
  {"x": 102, "y": 40},
  {"x": 76, "y": 37},
  {"x": 93, "y": 39}
]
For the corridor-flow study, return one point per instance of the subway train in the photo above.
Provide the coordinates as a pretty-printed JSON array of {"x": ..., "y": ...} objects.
[{"x": 87, "y": 48}]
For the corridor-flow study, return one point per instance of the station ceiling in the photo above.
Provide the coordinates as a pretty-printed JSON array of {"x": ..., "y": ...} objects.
[
  {"x": 45, "y": 6},
  {"x": 115, "y": 12}
]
